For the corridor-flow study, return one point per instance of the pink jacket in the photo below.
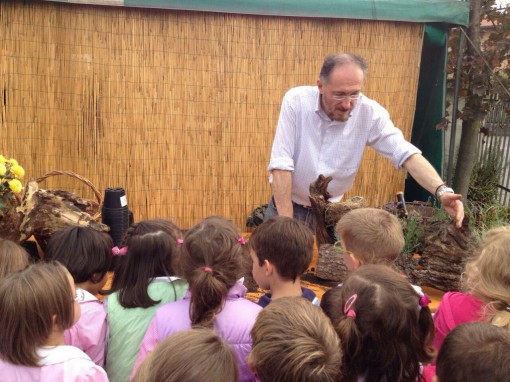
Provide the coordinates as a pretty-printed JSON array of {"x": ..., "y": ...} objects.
[
  {"x": 59, "y": 363},
  {"x": 233, "y": 324},
  {"x": 91, "y": 331}
]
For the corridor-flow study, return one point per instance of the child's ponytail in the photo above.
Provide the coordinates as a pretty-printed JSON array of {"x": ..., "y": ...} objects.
[{"x": 351, "y": 339}]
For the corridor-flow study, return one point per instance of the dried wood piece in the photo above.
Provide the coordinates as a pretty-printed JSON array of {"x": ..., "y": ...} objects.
[
  {"x": 330, "y": 263},
  {"x": 10, "y": 219}
]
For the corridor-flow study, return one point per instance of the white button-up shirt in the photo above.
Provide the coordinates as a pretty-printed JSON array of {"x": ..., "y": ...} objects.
[{"x": 308, "y": 143}]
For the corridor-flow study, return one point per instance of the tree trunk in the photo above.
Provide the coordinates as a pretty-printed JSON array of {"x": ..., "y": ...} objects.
[{"x": 466, "y": 157}]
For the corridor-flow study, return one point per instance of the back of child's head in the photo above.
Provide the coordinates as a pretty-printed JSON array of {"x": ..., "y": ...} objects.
[
  {"x": 13, "y": 257},
  {"x": 190, "y": 356},
  {"x": 32, "y": 301},
  {"x": 330, "y": 303},
  {"x": 475, "y": 352},
  {"x": 487, "y": 275},
  {"x": 284, "y": 242},
  {"x": 373, "y": 235},
  {"x": 211, "y": 262},
  {"x": 85, "y": 252},
  {"x": 151, "y": 250},
  {"x": 385, "y": 326},
  {"x": 294, "y": 341}
]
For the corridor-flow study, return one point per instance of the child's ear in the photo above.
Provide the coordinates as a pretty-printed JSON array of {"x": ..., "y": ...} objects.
[
  {"x": 355, "y": 260},
  {"x": 268, "y": 268}
]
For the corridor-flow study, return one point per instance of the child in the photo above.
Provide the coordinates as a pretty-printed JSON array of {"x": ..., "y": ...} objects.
[
  {"x": 486, "y": 287},
  {"x": 36, "y": 305},
  {"x": 369, "y": 236},
  {"x": 385, "y": 326},
  {"x": 190, "y": 356},
  {"x": 281, "y": 249},
  {"x": 143, "y": 282},
  {"x": 212, "y": 254},
  {"x": 475, "y": 352},
  {"x": 13, "y": 258},
  {"x": 87, "y": 255},
  {"x": 294, "y": 341}
]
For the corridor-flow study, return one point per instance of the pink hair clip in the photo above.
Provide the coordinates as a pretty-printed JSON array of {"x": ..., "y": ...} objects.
[
  {"x": 348, "y": 305},
  {"x": 241, "y": 240},
  {"x": 180, "y": 241},
  {"x": 424, "y": 301},
  {"x": 119, "y": 251},
  {"x": 207, "y": 270}
]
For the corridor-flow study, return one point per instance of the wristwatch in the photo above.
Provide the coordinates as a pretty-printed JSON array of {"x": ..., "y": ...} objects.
[{"x": 443, "y": 189}]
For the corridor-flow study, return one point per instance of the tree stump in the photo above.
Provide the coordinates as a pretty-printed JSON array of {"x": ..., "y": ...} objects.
[
  {"x": 44, "y": 212},
  {"x": 10, "y": 219},
  {"x": 330, "y": 264}
]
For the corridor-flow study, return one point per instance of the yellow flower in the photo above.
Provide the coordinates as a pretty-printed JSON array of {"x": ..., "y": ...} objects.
[
  {"x": 15, "y": 186},
  {"x": 18, "y": 171},
  {"x": 3, "y": 170},
  {"x": 13, "y": 161},
  {"x": 2, "y": 159}
]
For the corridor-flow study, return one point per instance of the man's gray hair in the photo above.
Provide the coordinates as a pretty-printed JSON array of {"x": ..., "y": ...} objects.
[{"x": 335, "y": 60}]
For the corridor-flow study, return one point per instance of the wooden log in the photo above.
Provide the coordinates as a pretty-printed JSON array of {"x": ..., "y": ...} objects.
[
  {"x": 10, "y": 219},
  {"x": 330, "y": 263}
]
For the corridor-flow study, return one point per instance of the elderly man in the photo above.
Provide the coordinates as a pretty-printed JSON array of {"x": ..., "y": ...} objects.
[{"x": 324, "y": 129}]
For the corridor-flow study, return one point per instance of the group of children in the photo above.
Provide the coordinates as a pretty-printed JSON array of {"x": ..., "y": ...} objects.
[{"x": 177, "y": 308}]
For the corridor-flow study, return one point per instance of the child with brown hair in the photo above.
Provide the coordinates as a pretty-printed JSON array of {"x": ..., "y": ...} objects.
[
  {"x": 384, "y": 324},
  {"x": 13, "y": 257},
  {"x": 474, "y": 352},
  {"x": 369, "y": 236},
  {"x": 485, "y": 285},
  {"x": 144, "y": 281},
  {"x": 87, "y": 255},
  {"x": 36, "y": 305},
  {"x": 211, "y": 261},
  {"x": 189, "y": 356},
  {"x": 281, "y": 250},
  {"x": 294, "y": 341}
]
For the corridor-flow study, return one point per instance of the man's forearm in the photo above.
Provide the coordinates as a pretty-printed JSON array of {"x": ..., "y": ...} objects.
[
  {"x": 423, "y": 172},
  {"x": 282, "y": 192}
]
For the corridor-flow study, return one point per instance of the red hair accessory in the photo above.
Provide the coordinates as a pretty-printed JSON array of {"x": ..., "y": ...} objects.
[
  {"x": 241, "y": 240},
  {"x": 119, "y": 251},
  {"x": 424, "y": 301},
  {"x": 207, "y": 270},
  {"x": 180, "y": 241},
  {"x": 348, "y": 305}
]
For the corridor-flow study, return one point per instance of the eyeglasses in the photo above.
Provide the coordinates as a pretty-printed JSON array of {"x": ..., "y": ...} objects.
[{"x": 353, "y": 97}]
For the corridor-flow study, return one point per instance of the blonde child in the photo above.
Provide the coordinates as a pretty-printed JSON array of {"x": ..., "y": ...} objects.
[
  {"x": 474, "y": 352},
  {"x": 36, "y": 305},
  {"x": 87, "y": 255},
  {"x": 281, "y": 250},
  {"x": 211, "y": 262},
  {"x": 294, "y": 341},
  {"x": 485, "y": 285},
  {"x": 144, "y": 281},
  {"x": 13, "y": 258},
  {"x": 369, "y": 236},
  {"x": 385, "y": 326},
  {"x": 189, "y": 356}
]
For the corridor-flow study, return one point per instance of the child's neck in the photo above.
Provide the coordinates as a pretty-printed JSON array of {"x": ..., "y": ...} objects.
[
  {"x": 56, "y": 338},
  {"x": 285, "y": 288},
  {"x": 89, "y": 286}
]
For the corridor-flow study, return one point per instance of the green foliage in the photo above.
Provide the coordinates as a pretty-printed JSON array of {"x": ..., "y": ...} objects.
[
  {"x": 413, "y": 232},
  {"x": 483, "y": 187}
]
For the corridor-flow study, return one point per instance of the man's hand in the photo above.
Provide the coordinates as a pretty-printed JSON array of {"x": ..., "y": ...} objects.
[{"x": 452, "y": 204}]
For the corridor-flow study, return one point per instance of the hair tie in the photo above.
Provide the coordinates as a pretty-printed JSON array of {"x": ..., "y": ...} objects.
[
  {"x": 208, "y": 270},
  {"x": 424, "y": 301},
  {"x": 348, "y": 305},
  {"x": 507, "y": 308},
  {"x": 180, "y": 241},
  {"x": 116, "y": 251},
  {"x": 241, "y": 240}
]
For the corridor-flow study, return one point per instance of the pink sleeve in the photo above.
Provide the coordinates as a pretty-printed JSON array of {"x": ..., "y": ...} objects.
[
  {"x": 95, "y": 374},
  {"x": 149, "y": 342}
]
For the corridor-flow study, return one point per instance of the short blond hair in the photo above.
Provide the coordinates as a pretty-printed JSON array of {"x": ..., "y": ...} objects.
[
  {"x": 373, "y": 235},
  {"x": 293, "y": 340}
]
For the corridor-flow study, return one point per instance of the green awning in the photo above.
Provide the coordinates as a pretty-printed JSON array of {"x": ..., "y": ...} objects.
[{"x": 423, "y": 11}]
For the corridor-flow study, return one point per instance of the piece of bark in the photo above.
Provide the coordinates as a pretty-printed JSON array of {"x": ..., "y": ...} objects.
[
  {"x": 10, "y": 219},
  {"x": 330, "y": 263},
  {"x": 44, "y": 212}
]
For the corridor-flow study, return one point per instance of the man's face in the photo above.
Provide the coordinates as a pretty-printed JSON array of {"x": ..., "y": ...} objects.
[{"x": 344, "y": 82}]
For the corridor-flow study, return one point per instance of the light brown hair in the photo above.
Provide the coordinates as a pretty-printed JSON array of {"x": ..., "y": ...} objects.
[
  {"x": 189, "y": 356},
  {"x": 487, "y": 276},
  {"x": 286, "y": 243},
  {"x": 373, "y": 235},
  {"x": 13, "y": 257},
  {"x": 294, "y": 341},
  {"x": 387, "y": 334},
  {"x": 473, "y": 352},
  {"x": 211, "y": 262},
  {"x": 29, "y": 302}
]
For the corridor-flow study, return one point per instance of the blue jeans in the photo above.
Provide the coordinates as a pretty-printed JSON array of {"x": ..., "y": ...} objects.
[{"x": 301, "y": 213}]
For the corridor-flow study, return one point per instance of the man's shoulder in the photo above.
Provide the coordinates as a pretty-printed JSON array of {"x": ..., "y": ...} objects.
[{"x": 302, "y": 92}]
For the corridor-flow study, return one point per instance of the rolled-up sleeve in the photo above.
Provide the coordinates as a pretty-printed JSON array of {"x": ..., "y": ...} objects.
[{"x": 282, "y": 153}]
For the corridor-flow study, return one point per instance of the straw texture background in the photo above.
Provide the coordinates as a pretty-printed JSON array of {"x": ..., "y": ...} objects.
[{"x": 180, "y": 108}]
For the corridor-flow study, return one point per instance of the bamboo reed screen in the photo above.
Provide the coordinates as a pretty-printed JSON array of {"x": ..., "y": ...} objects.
[{"x": 180, "y": 108}]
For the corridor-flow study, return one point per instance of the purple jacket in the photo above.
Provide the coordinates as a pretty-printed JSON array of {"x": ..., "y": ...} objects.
[{"x": 233, "y": 324}]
